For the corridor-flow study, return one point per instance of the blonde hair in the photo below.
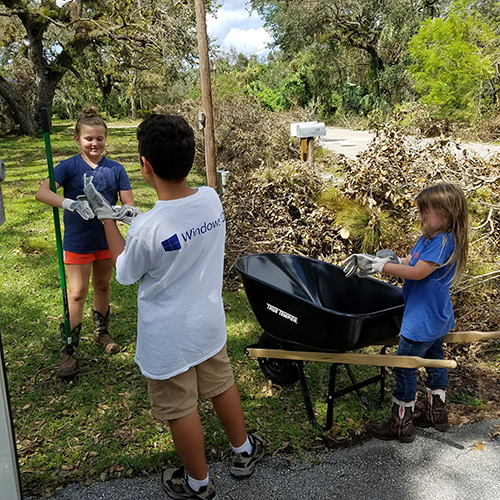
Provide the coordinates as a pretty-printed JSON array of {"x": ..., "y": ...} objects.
[
  {"x": 91, "y": 118},
  {"x": 449, "y": 202}
]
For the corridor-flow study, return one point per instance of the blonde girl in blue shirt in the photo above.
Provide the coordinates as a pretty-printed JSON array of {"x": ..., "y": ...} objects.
[{"x": 435, "y": 263}]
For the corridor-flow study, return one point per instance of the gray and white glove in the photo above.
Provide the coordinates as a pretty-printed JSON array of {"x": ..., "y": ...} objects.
[
  {"x": 81, "y": 207},
  {"x": 126, "y": 213},
  {"x": 350, "y": 265},
  {"x": 393, "y": 258},
  {"x": 102, "y": 209},
  {"x": 367, "y": 264},
  {"x": 99, "y": 205}
]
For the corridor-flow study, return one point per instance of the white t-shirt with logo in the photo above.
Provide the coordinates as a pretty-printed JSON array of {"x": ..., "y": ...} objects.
[{"x": 176, "y": 252}]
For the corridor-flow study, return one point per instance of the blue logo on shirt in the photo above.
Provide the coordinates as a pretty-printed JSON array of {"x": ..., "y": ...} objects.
[
  {"x": 204, "y": 228},
  {"x": 171, "y": 244}
]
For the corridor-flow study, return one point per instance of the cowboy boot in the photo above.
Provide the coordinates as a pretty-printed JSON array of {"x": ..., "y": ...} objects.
[
  {"x": 400, "y": 425},
  {"x": 434, "y": 413},
  {"x": 67, "y": 364},
  {"x": 101, "y": 334}
]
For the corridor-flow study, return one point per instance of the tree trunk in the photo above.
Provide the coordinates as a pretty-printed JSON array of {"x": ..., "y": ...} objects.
[
  {"x": 46, "y": 84},
  {"x": 133, "y": 100},
  {"x": 133, "y": 106},
  {"x": 69, "y": 107},
  {"x": 377, "y": 66},
  {"x": 46, "y": 78},
  {"x": 18, "y": 107}
]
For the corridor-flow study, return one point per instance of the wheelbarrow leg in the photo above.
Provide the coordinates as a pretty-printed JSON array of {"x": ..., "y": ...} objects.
[
  {"x": 383, "y": 373},
  {"x": 306, "y": 396},
  {"x": 333, "y": 394},
  {"x": 354, "y": 383},
  {"x": 382, "y": 385},
  {"x": 331, "y": 397}
]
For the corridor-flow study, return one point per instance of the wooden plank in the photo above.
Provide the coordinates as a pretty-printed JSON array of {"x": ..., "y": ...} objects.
[
  {"x": 456, "y": 338},
  {"x": 310, "y": 151},
  {"x": 353, "y": 359},
  {"x": 303, "y": 149}
]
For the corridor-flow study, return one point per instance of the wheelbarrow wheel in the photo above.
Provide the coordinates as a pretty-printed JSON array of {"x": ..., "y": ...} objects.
[{"x": 280, "y": 371}]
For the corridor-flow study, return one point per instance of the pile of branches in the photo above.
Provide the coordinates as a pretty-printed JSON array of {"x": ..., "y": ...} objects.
[
  {"x": 395, "y": 168},
  {"x": 274, "y": 210},
  {"x": 270, "y": 204},
  {"x": 246, "y": 135}
]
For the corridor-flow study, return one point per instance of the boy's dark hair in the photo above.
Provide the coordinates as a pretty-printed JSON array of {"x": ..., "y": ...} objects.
[{"x": 167, "y": 142}]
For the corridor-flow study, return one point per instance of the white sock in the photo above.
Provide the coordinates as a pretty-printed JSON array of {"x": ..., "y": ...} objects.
[
  {"x": 196, "y": 485},
  {"x": 245, "y": 447}
]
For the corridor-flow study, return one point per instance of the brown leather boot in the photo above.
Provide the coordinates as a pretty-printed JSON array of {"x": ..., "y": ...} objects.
[
  {"x": 101, "y": 334},
  {"x": 67, "y": 364},
  {"x": 434, "y": 413},
  {"x": 399, "y": 427}
]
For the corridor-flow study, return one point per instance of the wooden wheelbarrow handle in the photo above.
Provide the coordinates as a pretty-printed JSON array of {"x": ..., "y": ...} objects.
[
  {"x": 353, "y": 359},
  {"x": 456, "y": 337}
]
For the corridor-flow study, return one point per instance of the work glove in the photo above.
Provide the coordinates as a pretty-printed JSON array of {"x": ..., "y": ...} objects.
[
  {"x": 350, "y": 265},
  {"x": 102, "y": 209},
  {"x": 99, "y": 205},
  {"x": 126, "y": 213},
  {"x": 81, "y": 207},
  {"x": 367, "y": 264},
  {"x": 393, "y": 258}
]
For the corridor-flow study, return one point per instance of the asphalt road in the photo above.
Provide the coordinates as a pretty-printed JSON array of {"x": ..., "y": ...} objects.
[
  {"x": 461, "y": 464},
  {"x": 352, "y": 142}
]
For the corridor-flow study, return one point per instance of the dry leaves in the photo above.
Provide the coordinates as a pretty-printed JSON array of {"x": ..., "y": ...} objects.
[
  {"x": 395, "y": 168},
  {"x": 275, "y": 211}
]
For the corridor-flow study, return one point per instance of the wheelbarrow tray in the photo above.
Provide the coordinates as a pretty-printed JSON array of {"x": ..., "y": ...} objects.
[{"x": 313, "y": 306}]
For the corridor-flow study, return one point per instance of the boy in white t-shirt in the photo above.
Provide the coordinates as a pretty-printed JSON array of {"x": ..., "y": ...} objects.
[{"x": 176, "y": 252}]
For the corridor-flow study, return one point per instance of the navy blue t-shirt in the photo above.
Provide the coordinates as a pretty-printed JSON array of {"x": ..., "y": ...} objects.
[
  {"x": 109, "y": 177},
  {"x": 428, "y": 313}
]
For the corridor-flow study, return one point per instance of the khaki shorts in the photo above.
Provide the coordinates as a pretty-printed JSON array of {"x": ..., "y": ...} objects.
[{"x": 178, "y": 396}]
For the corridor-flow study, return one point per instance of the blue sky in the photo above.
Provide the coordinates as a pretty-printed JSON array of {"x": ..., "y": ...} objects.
[{"x": 234, "y": 26}]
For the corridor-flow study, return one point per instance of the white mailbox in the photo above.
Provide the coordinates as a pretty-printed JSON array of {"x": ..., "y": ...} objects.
[{"x": 304, "y": 130}]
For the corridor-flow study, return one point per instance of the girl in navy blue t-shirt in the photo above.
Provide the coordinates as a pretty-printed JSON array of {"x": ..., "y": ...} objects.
[
  {"x": 85, "y": 247},
  {"x": 436, "y": 262}
]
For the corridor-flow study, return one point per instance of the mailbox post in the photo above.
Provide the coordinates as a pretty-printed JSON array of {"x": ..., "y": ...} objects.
[{"x": 306, "y": 132}]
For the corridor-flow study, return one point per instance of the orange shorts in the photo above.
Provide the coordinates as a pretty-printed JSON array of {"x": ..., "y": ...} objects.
[{"x": 85, "y": 258}]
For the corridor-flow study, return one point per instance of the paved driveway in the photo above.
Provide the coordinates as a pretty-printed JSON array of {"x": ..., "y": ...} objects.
[
  {"x": 458, "y": 465},
  {"x": 352, "y": 142}
]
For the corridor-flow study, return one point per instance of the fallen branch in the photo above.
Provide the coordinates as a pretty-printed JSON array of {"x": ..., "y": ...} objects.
[{"x": 489, "y": 276}]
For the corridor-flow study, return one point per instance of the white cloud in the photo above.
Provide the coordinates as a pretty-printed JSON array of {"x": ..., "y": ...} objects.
[
  {"x": 248, "y": 41},
  {"x": 234, "y": 26}
]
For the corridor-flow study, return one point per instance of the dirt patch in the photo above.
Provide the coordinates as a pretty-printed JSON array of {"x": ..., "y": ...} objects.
[{"x": 475, "y": 383}]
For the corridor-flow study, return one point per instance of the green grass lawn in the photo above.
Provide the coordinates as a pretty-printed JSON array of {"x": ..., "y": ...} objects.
[{"x": 99, "y": 426}]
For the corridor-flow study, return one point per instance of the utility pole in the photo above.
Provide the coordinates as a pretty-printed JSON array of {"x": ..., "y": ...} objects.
[{"x": 206, "y": 94}]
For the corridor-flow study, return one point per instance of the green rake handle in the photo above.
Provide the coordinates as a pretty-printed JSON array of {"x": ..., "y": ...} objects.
[{"x": 57, "y": 226}]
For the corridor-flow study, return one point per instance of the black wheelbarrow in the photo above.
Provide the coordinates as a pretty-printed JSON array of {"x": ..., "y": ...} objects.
[{"x": 310, "y": 311}]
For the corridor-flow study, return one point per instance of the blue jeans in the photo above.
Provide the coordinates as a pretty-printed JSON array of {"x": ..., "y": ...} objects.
[{"x": 406, "y": 378}]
